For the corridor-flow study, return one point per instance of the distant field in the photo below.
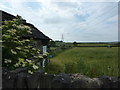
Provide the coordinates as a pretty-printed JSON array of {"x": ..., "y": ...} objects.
[
  {"x": 93, "y": 44},
  {"x": 90, "y": 61}
]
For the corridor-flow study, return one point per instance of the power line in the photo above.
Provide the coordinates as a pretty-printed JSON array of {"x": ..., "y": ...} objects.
[
  {"x": 103, "y": 19},
  {"x": 106, "y": 12},
  {"x": 102, "y": 14}
]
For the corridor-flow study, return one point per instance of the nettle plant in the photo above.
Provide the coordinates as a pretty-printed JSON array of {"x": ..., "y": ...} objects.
[{"x": 16, "y": 51}]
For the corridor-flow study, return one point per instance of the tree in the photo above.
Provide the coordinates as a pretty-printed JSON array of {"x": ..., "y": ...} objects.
[
  {"x": 52, "y": 43},
  {"x": 75, "y": 43},
  {"x": 16, "y": 51}
]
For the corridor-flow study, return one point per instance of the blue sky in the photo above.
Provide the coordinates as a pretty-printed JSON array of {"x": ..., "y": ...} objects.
[{"x": 76, "y": 20}]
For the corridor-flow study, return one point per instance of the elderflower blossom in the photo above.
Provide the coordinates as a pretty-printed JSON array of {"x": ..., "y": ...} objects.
[
  {"x": 45, "y": 73},
  {"x": 16, "y": 65},
  {"x": 30, "y": 72},
  {"x": 35, "y": 67},
  {"x": 23, "y": 65},
  {"x": 13, "y": 51},
  {"x": 40, "y": 56},
  {"x": 28, "y": 60},
  {"x": 7, "y": 61}
]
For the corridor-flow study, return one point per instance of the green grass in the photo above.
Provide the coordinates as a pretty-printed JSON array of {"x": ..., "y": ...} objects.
[
  {"x": 90, "y": 61},
  {"x": 92, "y": 44}
]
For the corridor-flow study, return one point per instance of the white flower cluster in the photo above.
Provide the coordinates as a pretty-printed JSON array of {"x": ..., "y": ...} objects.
[
  {"x": 30, "y": 72},
  {"x": 28, "y": 60},
  {"x": 16, "y": 65},
  {"x": 13, "y": 51},
  {"x": 35, "y": 67},
  {"x": 40, "y": 57},
  {"x": 7, "y": 61},
  {"x": 45, "y": 54}
]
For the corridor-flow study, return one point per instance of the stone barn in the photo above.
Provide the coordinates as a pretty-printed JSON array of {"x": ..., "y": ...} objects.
[{"x": 41, "y": 41}]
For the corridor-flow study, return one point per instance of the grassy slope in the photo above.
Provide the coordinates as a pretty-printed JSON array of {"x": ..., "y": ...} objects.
[{"x": 90, "y": 61}]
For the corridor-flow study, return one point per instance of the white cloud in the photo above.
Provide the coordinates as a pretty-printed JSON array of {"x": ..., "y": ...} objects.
[
  {"x": 113, "y": 19},
  {"x": 53, "y": 19}
]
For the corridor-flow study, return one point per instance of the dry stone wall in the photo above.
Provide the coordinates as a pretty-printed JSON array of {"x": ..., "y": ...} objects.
[{"x": 19, "y": 78}]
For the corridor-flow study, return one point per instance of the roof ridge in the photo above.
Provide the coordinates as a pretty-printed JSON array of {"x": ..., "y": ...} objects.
[{"x": 36, "y": 32}]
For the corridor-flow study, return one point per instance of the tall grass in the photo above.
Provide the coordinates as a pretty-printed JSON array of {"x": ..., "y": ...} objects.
[{"x": 90, "y": 61}]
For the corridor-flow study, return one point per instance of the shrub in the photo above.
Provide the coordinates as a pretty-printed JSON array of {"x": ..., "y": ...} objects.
[{"x": 18, "y": 52}]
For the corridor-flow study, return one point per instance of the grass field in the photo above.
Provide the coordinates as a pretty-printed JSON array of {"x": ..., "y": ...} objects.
[
  {"x": 90, "y": 61},
  {"x": 92, "y": 44}
]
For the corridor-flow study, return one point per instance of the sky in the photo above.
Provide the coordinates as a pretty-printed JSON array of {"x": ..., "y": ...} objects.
[{"x": 77, "y": 20}]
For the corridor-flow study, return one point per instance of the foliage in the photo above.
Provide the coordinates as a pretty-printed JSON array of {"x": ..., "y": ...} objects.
[
  {"x": 18, "y": 52},
  {"x": 52, "y": 43},
  {"x": 75, "y": 43}
]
